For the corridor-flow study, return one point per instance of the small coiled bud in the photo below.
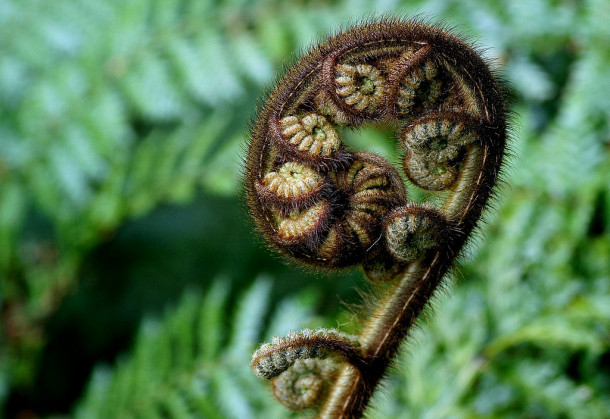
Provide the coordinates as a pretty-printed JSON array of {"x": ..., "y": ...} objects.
[
  {"x": 439, "y": 137},
  {"x": 434, "y": 147},
  {"x": 306, "y": 383},
  {"x": 293, "y": 180},
  {"x": 361, "y": 86},
  {"x": 413, "y": 230},
  {"x": 271, "y": 359},
  {"x": 429, "y": 174},
  {"x": 311, "y": 133}
]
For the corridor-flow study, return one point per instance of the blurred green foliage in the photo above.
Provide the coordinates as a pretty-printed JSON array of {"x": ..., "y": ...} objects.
[{"x": 122, "y": 128}]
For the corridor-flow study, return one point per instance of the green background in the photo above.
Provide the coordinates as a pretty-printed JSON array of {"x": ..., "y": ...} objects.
[{"x": 133, "y": 284}]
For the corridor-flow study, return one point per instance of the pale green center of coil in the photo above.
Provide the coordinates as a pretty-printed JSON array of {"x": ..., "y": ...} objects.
[
  {"x": 367, "y": 86},
  {"x": 319, "y": 133}
]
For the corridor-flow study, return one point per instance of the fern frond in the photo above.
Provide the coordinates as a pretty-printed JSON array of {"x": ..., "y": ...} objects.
[{"x": 186, "y": 365}]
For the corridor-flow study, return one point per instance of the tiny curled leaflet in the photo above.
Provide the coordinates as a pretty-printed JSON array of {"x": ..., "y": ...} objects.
[
  {"x": 323, "y": 204},
  {"x": 272, "y": 359}
]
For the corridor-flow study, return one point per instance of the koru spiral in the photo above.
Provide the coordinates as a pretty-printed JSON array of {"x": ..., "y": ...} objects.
[{"x": 324, "y": 205}]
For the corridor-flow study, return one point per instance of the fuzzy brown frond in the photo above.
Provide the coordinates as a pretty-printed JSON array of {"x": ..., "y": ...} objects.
[{"x": 326, "y": 206}]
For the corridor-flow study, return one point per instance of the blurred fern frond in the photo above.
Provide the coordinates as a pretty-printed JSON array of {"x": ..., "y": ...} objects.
[
  {"x": 108, "y": 110},
  {"x": 195, "y": 362}
]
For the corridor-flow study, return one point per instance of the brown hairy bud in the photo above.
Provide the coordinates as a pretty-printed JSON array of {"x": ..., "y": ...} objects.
[{"x": 412, "y": 230}]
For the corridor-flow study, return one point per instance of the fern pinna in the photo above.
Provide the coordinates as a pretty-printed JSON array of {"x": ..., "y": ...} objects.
[{"x": 324, "y": 205}]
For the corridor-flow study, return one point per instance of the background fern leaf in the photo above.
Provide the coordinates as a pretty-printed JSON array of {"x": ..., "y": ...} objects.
[{"x": 186, "y": 366}]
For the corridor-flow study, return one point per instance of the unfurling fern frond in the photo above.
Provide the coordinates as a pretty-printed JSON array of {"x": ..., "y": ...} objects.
[{"x": 324, "y": 205}]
